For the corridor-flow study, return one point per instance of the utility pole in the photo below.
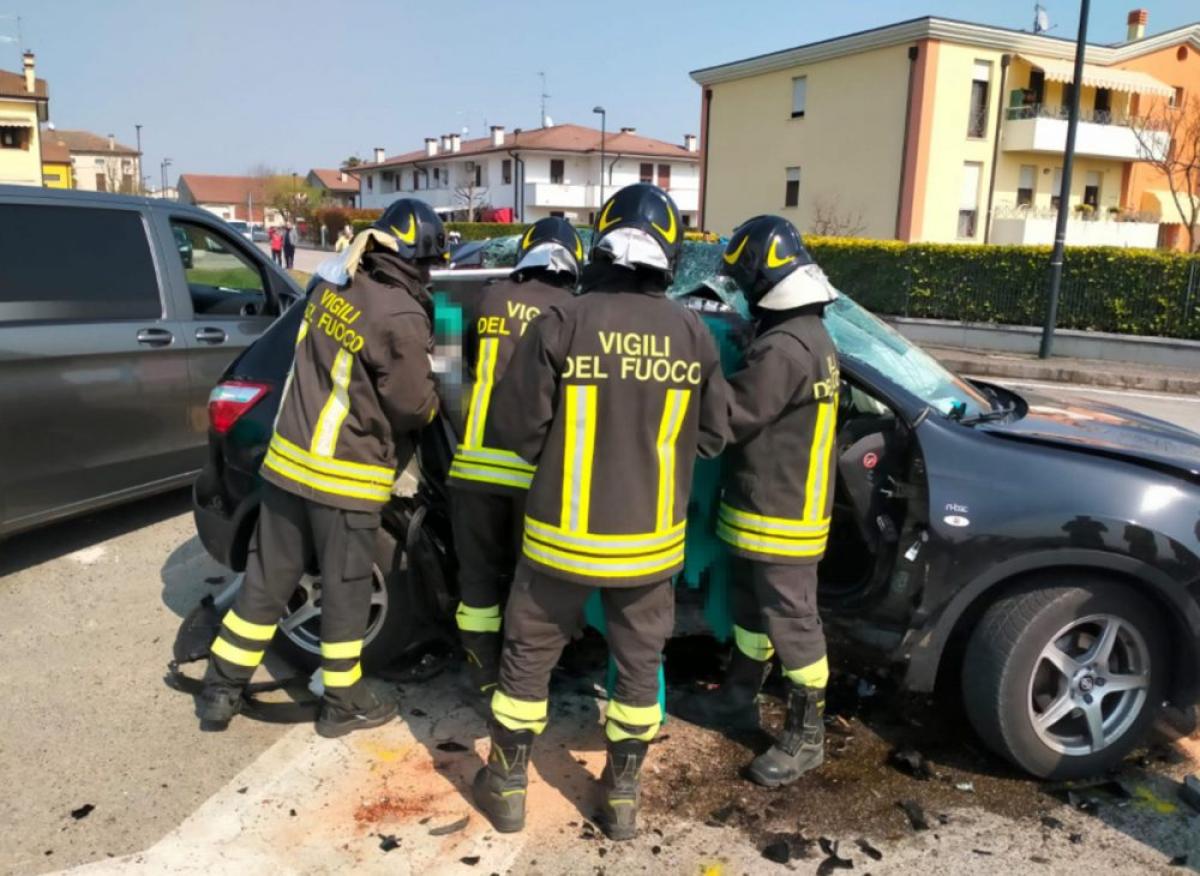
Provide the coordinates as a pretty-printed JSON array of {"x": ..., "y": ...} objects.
[
  {"x": 141, "y": 189},
  {"x": 1064, "y": 195},
  {"x": 543, "y": 117}
]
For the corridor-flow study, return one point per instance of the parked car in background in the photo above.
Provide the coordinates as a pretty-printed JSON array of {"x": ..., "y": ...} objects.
[
  {"x": 1039, "y": 556},
  {"x": 258, "y": 233},
  {"x": 111, "y": 343},
  {"x": 242, "y": 228}
]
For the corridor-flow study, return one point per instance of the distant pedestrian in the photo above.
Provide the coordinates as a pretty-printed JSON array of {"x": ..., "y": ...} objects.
[
  {"x": 276, "y": 238},
  {"x": 290, "y": 239}
]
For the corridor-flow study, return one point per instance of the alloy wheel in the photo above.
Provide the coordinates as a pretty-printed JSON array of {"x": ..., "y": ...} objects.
[
  {"x": 1089, "y": 685},
  {"x": 301, "y": 622}
]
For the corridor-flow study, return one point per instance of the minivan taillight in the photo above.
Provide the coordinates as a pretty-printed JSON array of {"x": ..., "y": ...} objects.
[{"x": 230, "y": 400}]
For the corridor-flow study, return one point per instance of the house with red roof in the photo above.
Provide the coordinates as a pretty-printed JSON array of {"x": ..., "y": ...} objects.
[
  {"x": 336, "y": 186},
  {"x": 559, "y": 170}
]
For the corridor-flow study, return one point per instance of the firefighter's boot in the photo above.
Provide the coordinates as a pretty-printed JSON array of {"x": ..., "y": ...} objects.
[
  {"x": 801, "y": 746},
  {"x": 218, "y": 702},
  {"x": 500, "y": 785},
  {"x": 734, "y": 705},
  {"x": 362, "y": 709},
  {"x": 618, "y": 809},
  {"x": 483, "y": 669}
]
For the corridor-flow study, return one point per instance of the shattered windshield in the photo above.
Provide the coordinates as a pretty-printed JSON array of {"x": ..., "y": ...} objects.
[{"x": 857, "y": 333}]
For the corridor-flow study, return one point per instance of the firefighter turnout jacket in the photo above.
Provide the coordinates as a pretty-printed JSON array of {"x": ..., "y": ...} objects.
[
  {"x": 611, "y": 395},
  {"x": 779, "y": 476},
  {"x": 504, "y": 312},
  {"x": 360, "y": 386}
]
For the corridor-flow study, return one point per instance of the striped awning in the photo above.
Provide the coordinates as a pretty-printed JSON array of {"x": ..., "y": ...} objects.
[
  {"x": 1112, "y": 78},
  {"x": 15, "y": 122}
]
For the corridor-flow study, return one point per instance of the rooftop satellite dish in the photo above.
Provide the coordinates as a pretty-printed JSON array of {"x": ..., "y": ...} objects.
[
  {"x": 1041, "y": 20},
  {"x": 547, "y": 122},
  {"x": 50, "y": 126}
]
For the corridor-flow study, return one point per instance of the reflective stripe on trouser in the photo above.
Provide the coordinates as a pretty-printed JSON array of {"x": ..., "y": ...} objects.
[
  {"x": 631, "y": 722},
  {"x": 777, "y": 602},
  {"x": 289, "y": 529},
  {"x": 544, "y": 612}
]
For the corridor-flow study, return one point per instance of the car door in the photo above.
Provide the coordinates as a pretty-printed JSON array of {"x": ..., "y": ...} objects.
[
  {"x": 226, "y": 301},
  {"x": 94, "y": 368}
]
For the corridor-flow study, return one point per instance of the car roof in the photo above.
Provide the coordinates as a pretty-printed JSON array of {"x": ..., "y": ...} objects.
[{"x": 76, "y": 198}]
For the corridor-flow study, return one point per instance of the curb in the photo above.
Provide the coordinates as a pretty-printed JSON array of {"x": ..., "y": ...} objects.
[{"x": 984, "y": 366}]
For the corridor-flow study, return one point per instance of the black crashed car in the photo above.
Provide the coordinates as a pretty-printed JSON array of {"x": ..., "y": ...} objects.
[{"x": 1042, "y": 555}]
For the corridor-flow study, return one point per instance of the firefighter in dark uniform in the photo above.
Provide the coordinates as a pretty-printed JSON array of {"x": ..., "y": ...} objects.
[
  {"x": 360, "y": 387},
  {"x": 611, "y": 395},
  {"x": 487, "y": 501},
  {"x": 778, "y": 496}
]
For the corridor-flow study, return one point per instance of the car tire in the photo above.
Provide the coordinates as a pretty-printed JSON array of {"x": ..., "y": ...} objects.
[
  {"x": 393, "y": 629},
  {"x": 1037, "y": 688}
]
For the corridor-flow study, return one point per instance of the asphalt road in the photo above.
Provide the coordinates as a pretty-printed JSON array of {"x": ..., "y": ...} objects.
[{"x": 88, "y": 611}]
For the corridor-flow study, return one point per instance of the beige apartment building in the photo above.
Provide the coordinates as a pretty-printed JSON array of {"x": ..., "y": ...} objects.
[{"x": 940, "y": 130}]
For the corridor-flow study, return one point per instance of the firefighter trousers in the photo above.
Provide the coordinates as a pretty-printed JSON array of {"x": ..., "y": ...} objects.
[
  {"x": 291, "y": 533},
  {"x": 487, "y": 542},
  {"x": 775, "y": 610},
  {"x": 541, "y": 616}
]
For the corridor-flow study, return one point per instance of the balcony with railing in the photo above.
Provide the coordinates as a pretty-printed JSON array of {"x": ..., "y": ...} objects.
[
  {"x": 1085, "y": 227},
  {"x": 1102, "y": 133}
]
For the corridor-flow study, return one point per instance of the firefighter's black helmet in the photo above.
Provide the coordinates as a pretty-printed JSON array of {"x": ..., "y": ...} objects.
[
  {"x": 646, "y": 208},
  {"x": 762, "y": 253},
  {"x": 553, "y": 229},
  {"x": 417, "y": 229}
]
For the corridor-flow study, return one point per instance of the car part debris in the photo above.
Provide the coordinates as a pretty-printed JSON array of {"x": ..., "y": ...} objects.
[
  {"x": 83, "y": 811},
  {"x": 983, "y": 853},
  {"x": 387, "y": 842},
  {"x": 833, "y": 861},
  {"x": 968, "y": 787},
  {"x": 452, "y": 746},
  {"x": 469, "y": 860},
  {"x": 1076, "y": 839},
  {"x": 1190, "y": 792},
  {"x": 869, "y": 850},
  {"x": 1051, "y": 822},
  {"x": 911, "y": 761},
  {"x": 1038, "y": 859},
  {"x": 777, "y": 852},
  {"x": 1179, "y": 861},
  {"x": 916, "y": 815},
  {"x": 453, "y": 827}
]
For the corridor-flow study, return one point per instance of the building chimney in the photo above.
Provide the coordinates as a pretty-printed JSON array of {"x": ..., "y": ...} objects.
[
  {"x": 445, "y": 142},
  {"x": 629, "y": 130},
  {"x": 30, "y": 79},
  {"x": 497, "y": 135},
  {"x": 431, "y": 146},
  {"x": 341, "y": 176},
  {"x": 1138, "y": 19},
  {"x": 379, "y": 154},
  {"x": 455, "y": 142},
  {"x": 112, "y": 143},
  {"x": 689, "y": 142}
]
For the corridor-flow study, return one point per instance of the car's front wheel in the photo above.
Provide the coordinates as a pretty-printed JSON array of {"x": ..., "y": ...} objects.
[{"x": 1064, "y": 676}]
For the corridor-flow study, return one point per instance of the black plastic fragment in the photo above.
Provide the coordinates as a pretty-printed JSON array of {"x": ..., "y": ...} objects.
[
  {"x": 916, "y": 815},
  {"x": 912, "y": 762},
  {"x": 1179, "y": 861},
  {"x": 833, "y": 861},
  {"x": 453, "y": 827},
  {"x": 1051, "y": 822},
  {"x": 387, "y": 842},
  {"x": 469, "y": 860},
  {"x": 1190, "y": 792},
  {"x": 83, "y": 811},
  {"x": 778, "y": 852},
  {"x": 869, "y": 850},
  {"x": 452, "y": 746}
]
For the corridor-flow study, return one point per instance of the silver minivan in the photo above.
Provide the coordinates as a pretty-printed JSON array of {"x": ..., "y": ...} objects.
[{"x": 117, "y": 317}]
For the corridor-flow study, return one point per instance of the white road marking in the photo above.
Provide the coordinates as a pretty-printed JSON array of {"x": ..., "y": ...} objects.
[{"x": 89, "y": 556}]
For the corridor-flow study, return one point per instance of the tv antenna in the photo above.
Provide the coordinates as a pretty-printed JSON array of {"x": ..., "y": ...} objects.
[
  {"x": 19, "y": 39},
  {"x": 545, "y": 118}
]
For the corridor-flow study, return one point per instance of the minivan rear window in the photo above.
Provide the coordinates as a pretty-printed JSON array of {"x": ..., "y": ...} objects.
[{"x": 75, "y": 264}]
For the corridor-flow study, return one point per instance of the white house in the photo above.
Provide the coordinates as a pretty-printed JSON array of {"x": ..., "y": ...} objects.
[
  {"x": 524, "y": 176},
  {"x": 101, "y": 164}
]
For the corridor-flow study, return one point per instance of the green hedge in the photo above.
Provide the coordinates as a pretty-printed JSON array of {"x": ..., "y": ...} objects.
[{"x": 1139, "y": 292}]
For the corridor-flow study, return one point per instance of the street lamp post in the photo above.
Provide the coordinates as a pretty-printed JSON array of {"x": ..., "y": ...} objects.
[
  {"x": 603, "y": 132},
  {"x": 166, "y": 162},
  {"x": 141, "y": 188},
  {"x": 1064, "y": 195}
]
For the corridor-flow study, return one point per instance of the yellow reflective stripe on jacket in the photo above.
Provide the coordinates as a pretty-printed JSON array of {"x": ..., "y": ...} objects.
[
  {"x": 481, "y": 395},
  {"x": 235, "y": 655},
  {"x": 492, "y": 456},
  {"x": 519, "y": 714},
  {"x": 334, "y": 467},
  {"x": 586, "y": 542},
  {"x": 333, "y": 678},
  {"x": 489, "y": 474},
  {"x": 247, "y": 630},
  {"x": 674, "y": 413},
  {"x": 603, "y": 567},
  {"x": 579, "y": 448},
  {"x": 813, "y": 675},
  {"x": 337, "y": 406},
  {"x": 342, "y": 650},
  {"x": 478, "y": 620},
  {"x": 782, "y": 547},
  {"x": 777, "y": 527},
  {"x": 816, "y": 488},
  {"x": 334, "y": 486},
  {"x": 756, "y": 646}
]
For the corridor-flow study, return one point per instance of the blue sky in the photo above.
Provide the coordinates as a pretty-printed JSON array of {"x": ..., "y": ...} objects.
[{"x": 221, "y": 86}]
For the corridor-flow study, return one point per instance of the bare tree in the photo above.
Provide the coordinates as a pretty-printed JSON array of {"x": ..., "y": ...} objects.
[
  {"x": 830, "y": 220},
  {"x": 471, "y": 195},
  {"x": 1177, "y": 159}
]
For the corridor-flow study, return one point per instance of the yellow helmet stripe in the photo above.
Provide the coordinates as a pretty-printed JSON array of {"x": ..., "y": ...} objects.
[
  {"x": 669, "y": 232},
  {"x": 732, "y": 257},
  {"x": 605, "y": 223},
  {"x": 528, "y": 237},
  {"x": 773, "y": 259},
  {"x": 409, "y": 236}
]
